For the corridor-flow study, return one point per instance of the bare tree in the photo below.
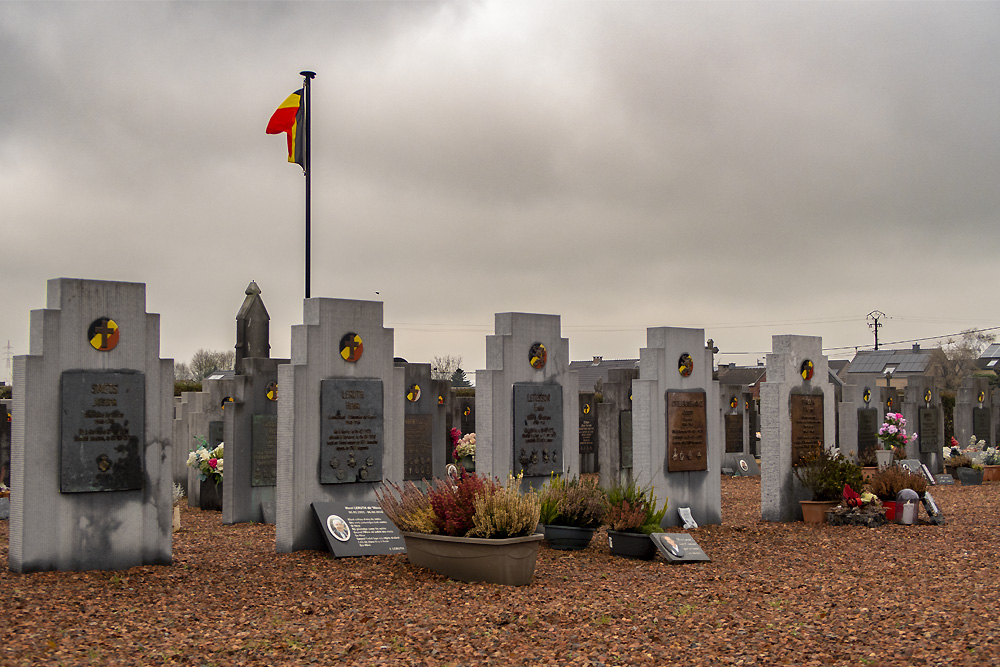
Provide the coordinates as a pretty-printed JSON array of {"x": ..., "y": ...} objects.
[
  {"x": 182, "y": 372},
  {"x": 442, "y": 368},
  {"x": 204, "y": 362},
  {"x": 956, "y": 359}
]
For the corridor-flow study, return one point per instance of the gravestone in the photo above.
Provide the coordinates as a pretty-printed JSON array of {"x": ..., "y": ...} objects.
[
  {"x": 340, "y": 416},
  {"x": 526, "y": 401},
  {"x": 797, "y": 417},
  {"x": 925, "y": 417},
  {"x": 734, "y": 403},
  {"x": 972, "y": 406},
  {"x": 253, "y": 329},
  {"x": 614, "y": 423},
  {"x": 5, "y": 421},
  {"x": 676, "y": 447},
  {"x": 424, "y": 430},
  {"x": 90, "y": 446},
  {"x": 251, "y": 437},
  {"x": 467, "y": 413},
  {"x": 205, "y": 419},
  {"x": 588, "y": 431}
]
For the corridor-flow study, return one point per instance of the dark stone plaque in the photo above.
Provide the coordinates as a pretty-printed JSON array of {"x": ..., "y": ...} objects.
[
  {"x": 734, "y": 434},
  {"x": 216, "y": 430},
  {"x": 868, "y": 426},
  {"x": 981, "y": 424},
  {"x": 679, "y": 548},
  {"x": 687, "y": 437},
  {"x": 4, "y": 444},
  {"x": 625, "y": 438},
  {"x": 538, "y": 429},
  {"x": 807, "y": 426},
  {"x": 103, "y": 430},
  {"x": 930, "y": 419},
  {"x": 264, "y": 450},
  {"x": 588, "y": 433},
  {"x": 360, "y": 529},
  {"x": 352, "y": 431},
  {"x": 417, "y": 448}
]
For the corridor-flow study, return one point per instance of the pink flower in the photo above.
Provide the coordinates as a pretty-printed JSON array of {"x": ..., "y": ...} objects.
[{"x": 212, "y": 463}]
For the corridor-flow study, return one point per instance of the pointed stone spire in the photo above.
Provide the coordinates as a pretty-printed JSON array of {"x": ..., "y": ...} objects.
[{"x": 252, "y": 328}]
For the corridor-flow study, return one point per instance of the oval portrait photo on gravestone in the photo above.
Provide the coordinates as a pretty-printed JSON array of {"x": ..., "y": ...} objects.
[
  {"x": 537, "y": 356},
  {"x": 103, "y": 334},
  {"x": 351, "y": 347},
  {"x": 672, "y": 546},
  {"x": 338, "y": 528},
  {"x": 685, "y": 365}
]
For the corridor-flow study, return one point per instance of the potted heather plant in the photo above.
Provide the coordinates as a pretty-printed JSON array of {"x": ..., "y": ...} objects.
[
  {"x": 470, "y": 528},
  {"x": 633, "y": 515},
  {"x": 571, "y": 510},
  {"x": 825, "y": 475}
]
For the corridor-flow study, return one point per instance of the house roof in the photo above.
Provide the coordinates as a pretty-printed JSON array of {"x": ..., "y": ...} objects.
[
  {"x": 902, "y": 361},
  {"x": 589, "y": 372},
  {"x": 742, "y": 375}
]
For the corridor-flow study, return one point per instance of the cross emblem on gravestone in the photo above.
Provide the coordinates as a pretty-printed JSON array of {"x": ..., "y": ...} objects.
[
  {"x": 351, "y": 347},
  {"x": 103, "y": 334}
]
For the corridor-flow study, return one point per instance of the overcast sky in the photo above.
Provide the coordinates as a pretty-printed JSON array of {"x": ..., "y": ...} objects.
[{"x": 747, "y": 168}]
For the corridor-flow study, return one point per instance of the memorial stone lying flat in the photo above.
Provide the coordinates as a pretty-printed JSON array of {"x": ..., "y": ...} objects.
[
  {"x": 359, "y": 529},
  {"x": 679, "y": 548},
  {"x": 743, "y": 465}
]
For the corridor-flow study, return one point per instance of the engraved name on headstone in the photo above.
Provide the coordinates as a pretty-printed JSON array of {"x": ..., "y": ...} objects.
[
  {"x": 417, "y": 448},
  {"x": 929, "y": 422},
  {"x": 734, "y": 434},
  {"x": 103, "y": 430},
  {"x": 867, "y": 430},
  {"x": 687, "y": 439},
  {"x": 264, "y": 450},
  {"x": 807, "y": 426},
  {"x": 352, "y": 431},
  {"x": 538, "y": 429}
]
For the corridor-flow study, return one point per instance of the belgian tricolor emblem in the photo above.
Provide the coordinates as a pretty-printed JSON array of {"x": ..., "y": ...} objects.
[
  {"x": 290, "y": 119},
  {"x": 351, "y": 347},
  {"x": 103, "y": 334}
]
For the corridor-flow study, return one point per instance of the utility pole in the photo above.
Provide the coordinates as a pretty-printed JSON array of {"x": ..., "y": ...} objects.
[{"x": 875, "y": 316}]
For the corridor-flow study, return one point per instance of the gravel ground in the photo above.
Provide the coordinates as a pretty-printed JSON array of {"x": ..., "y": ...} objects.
[{"x": 772, "y": 594}]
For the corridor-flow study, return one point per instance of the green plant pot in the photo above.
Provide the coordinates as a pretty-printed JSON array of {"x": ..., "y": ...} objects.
[
  {"x": 210, "y": 496},
  {"x": 510, "y": 561},
  {"x": 631, "y": 545},
  {"x": 568, "y": 538},
  {"x": 467, "y": 462}
]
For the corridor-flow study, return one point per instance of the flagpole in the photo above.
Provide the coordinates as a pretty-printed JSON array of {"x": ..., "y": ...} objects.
[{"x": 307, "y": 168}]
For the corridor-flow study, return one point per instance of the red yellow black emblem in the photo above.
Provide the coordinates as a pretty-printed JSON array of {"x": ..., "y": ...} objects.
[
  {"x": 807, "y": 369},
  {"x": 272, "y": 391},
  {"x": 685, "y": 365},
  {"x": 867, "y": 395},
  {"x": 537, "y": 356},
  {"x": 927, "y": 396},
  {"x": 227, "y": 399},
  {"x": 467, "y": 412},
  {"x": 103, "y": 334},
  {"x": 440, "y": 399},
  {"x": 982, "y": 396},
  {"x": 733, "y": 402},
  {"x": 413, "y": 393},
  {"x": 351, "y": 347}
]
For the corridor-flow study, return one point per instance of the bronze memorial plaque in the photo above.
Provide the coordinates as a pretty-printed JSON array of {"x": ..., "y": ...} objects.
[
  {"x": 807, "y": 426},
  {"x": 687, "y": 440}
]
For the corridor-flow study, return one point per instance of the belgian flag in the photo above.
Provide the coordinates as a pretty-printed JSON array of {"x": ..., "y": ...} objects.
[{"x": 290, "y": 118}]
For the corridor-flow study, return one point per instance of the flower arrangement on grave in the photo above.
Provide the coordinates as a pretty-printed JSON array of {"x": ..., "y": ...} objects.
[
  {"x": 4, "y": 490},
  {"x": 464, "y": 445},
  {"x": 578, "y": 503},
  {"x": 892, "y": 434},
  {"x": 208, "y": 462},
  {"x": 975, "y": 445},
  {"x": 957, "y": 460},
  {"x": 471, "y": 505},
  {"x": 991, "y": 457},
  {"x": 634, "y": 509},
  {"x": 857, "y": 509},
  {"x": 827, "y": 473},
  {"x": 888, "y": 482}
]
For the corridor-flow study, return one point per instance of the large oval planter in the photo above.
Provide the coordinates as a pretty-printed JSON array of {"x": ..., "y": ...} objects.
[
  {"x": 991, "y": 474},
  {"x": 970, "y": 476},
  {"x": 631, "y": 545},
  {"x": 508, "y": 561},
  {"x": 467, "y": 462},
  {"x": 568, "y": 538},
  {"x": 814, "y": 511}
]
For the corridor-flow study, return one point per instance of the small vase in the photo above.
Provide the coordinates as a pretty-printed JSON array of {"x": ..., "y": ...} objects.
[
  {"x": 884, "y": 457},
  {"x": 211, "y": 496},
  {"x": 467, "y": 462},
  {"x": 890, "y": 509}
]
